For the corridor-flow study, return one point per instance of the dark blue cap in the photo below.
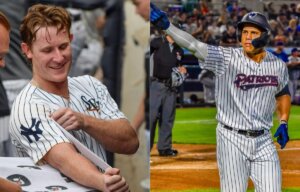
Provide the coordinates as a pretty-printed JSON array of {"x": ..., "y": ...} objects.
[
  {"x": 279, "y": 43},
  {"x": 294, "y": 50}
]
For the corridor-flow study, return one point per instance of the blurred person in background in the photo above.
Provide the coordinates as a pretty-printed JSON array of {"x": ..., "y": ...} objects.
[
  {"x": 279, "y": 51},
  {"x": 293, "y": 65},
  {"x": 17, "y": 72},
  {"x": 291, "y": 30},
  {"x": 229, "y": 37},
  {"x": 5, "y": 185}
]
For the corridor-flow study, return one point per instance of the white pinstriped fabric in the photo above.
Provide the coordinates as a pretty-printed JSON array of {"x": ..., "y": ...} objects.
[
  {"x": 245, "y": 99},
  {"x": 240, "y": 157},
  {"x": 245, "y": 90},
  {"x": 245, "y": 95},
  {"x": 33, "y": 105}
]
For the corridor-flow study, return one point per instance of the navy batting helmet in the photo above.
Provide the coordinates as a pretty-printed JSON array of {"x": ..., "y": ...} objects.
[{"x": 260, "y": 21}]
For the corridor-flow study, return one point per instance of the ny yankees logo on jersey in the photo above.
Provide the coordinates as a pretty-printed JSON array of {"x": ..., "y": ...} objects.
[
  {"x": 91, "y": 104},
  {"x": 246, "y": 82},
  {"x": 27, "y": 132}
]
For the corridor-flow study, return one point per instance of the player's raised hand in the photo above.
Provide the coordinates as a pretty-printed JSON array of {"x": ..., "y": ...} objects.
[
  {"x": 159, "y": 18},
  {"x": 282, "y": 134},
  {"x": 68, "y": 119},
  {"x": 114, "y": 182}
]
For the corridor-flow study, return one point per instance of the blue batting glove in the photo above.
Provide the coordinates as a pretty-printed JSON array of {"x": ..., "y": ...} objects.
[
  {"x": 159, "y": 18},
  {"x": 282, "y": 134}
]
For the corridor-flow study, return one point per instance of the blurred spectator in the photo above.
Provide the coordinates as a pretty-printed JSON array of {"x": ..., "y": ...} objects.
[
  {"x": 284, "y": 9},
  {"x": 274, "y": 31},
  {"x": 242, "y": 11},
  {"x": 298, "y": 10},
  {"x": 294, "y": 72},
  {"x": 209, "y": 39},
  {"x": 190, "y": 26},
  {"x": 182, "y": 18},
  {"x": 229, "y": 37},
  {"x": 17, "y": 72},
  {"x": 196, "y": 13},
  {"x": 280, "y": 37},
  {"x": 198, "y": 33},
  {"x": 203, "y": 8},
  {"x": 291, "y": 30},
  {"x": 269, "y": 9},
  {"x": 279, "y": 51},
  {"x": 282, "y": 20},
  {"x": 293, "y": 11},
  {"x": 176, "y": 18}
]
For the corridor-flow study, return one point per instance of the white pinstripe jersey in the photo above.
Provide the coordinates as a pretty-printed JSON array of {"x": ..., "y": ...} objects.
[
  {"x": 245, "y": 90},
  {"x": 35, "y": 133}
]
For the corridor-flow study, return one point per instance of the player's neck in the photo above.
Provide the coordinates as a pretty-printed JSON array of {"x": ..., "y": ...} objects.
[
  {"x": 60, "y": 89},
  {"x": 257, "y": 56}
]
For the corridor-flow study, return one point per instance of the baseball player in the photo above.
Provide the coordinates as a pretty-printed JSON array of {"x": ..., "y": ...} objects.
[
  {"x": 250, "y": 83},
  {"x": 81, "y": 105}
]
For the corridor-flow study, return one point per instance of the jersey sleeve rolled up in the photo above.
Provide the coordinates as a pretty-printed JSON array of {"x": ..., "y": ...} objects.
[
  {"x": 32, "y": 130},
  {"x": 108, "y": 107}
]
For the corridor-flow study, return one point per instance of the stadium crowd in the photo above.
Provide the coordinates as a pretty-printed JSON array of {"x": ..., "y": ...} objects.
[{"x": 218, "y": 26}]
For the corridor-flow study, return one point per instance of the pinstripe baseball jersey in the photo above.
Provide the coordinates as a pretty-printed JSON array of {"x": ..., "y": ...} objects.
[
  {"x": 34, "y": 133},
  {"x": 246, "y": 90}
]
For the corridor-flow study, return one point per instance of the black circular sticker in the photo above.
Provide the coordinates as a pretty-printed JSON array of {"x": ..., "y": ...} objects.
[{"x": 20, "y": 179}]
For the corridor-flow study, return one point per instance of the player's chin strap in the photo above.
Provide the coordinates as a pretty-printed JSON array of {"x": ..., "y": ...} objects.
[{"x": 261, "y": 41}]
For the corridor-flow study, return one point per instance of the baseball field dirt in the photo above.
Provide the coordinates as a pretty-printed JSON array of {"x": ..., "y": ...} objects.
[{"x": 195, "y": 167}]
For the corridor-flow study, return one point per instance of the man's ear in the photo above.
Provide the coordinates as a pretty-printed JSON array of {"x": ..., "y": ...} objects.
[
  {"x": 71, "y": 37},
  {"x": 26, "y": 50}
]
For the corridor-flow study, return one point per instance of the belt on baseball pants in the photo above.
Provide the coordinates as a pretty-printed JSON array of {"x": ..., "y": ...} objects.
[{"x": 247, "y": 133}]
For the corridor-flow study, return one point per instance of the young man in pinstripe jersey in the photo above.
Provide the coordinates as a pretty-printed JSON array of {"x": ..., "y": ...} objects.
[
  {"x": 251, "y": 84},
  {"x": 81, "y": 105}
]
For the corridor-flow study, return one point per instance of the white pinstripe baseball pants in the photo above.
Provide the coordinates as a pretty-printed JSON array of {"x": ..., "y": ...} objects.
[{"x": 240, "y": 157}]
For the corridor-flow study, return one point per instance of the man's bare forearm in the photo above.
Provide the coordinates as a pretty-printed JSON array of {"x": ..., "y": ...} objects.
[
  {"x": 68, "y": 161},
  {"x": 283, "y": 107},
  {"x": 115, "y": 135}
]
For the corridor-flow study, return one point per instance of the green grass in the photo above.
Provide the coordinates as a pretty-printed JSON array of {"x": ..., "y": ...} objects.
[{"x": 198, "y": 125}]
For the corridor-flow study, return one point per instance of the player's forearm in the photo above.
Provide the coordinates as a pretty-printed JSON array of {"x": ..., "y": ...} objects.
[
  {"x": 115, "y": 135},
  {"x": 283, "y": 107},
  {"x": 186, "y": 40},
  {"x": 68, "y": 161}
]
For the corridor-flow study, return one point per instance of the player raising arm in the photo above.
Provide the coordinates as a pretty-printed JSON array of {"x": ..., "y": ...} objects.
[{"x": 250, "y": 84}]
